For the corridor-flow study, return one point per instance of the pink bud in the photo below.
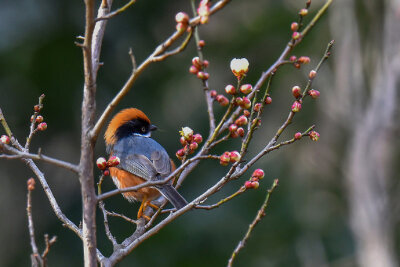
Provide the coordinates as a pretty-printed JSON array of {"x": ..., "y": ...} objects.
[
  {"x": 213, "y": 93},
  {"x": 234, "y": 134},
  {"x": 303, "y": 60},
  {"x": 296, "y": 107},
  {"x": 197, "y": 62},
  {"x": 224, "y": 159},
  {"x": 303, "y": 12},
  {"x": 180, "y": 153},
  {"x": 222, "y": 100},
  {"x": 193, "y": 69},
  {"x": 296, "y": 35},
  {"x": 240, "y": 131},
  {"x": 297, "y": 136},
  {"x": 294, "y": 26},
  {"x": 230, "y": 89},
  {"x": 197, "y": 138},
  {"x": 106, "y": 172},
  {"x": 258, "y": 173},
  {"x": 206, "y": 63},
  {"x": 113, "y": 161},
  {"x": 183, "y": 141},
  {"x": 312, "y": 74},
  {"x": 36, "y": 108},
  {"x": 203, "y": 75},
  {"x": 248, "y": 184},
  {"x": 268, "y": 100},
  {"x": 39, "y": 118},
  {"x": 246, "y": 103},
  {"x": 293, "y": 58},
  {"x": 201, "y": 43},
  {"x": 233, "y": 127},
  {"x": 181, "y": 27},
  {"x": 182, "y": 17},
  {"x": 255, "y": 185},
  {"x": 314, "y": 135},
  {"x": 246, "y": 88},
  {"x": 296, "y": 91},
  {"x": 314, "y": 93},
  {"x": 242, "y": 120},
  {"x": 297, "y": 65},
  {"x": 235, "y": 156},
  {"x": 42, "y": 126},
  {"x": 246, "y": 112},
  {"x": 193, "y": 146},
  {"x": 101, "y": 163},
  {"x": 239, "y": 101},
  {"x": 257, "y": 107},
  {"x": 5, "y": 139}
]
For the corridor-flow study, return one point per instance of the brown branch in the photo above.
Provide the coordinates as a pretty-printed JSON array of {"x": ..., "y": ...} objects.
[
  {"x": 257, "y": 219},
  {"x": 49, "y": 243},
  {"x": 106, "y": 225},
  {"x": 33, "y": 123},
  {"x": 116, "y": 12},
  {"x": 222, "y": 201}
]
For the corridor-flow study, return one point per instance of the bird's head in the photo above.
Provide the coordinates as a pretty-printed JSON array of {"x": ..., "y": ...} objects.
[{"x": 127, "y": 122}]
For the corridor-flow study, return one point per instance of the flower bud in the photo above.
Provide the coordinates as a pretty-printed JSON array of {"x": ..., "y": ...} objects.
[
  {"x": 106, "y": 172},
  {"x": 312, "y": 74},
  {"x": 293, "y": 58},
  {"x": 240, "y": 131},
  {"x": 233, "y": 127},
  {"x": 230, "y": 89},
  {"x": 248, "y": 185},
  {"x": 242, "y": 120},
  {"x": 36, "y": 108},
  {"x": 31, "y": 184},
  {"x": 314, "y": 93},
  {"x": 268, "y": 100},
  {"x": 234, "y": 134},
  {"x": 303, "y": 12},
  {"x": 5, "y": 139},
  {"x": 206, "y": 63},
  {"x": 294, "y": 26},
  {"x": 255, "y": 184},
  {"x": 197, "y": 62},
  {"x": 257, "y": 107},
  {"x": 203, "y": 75},
  {"x": 201, "y": 43},
  {"x": 182, "y": 17},
  {"x": 197, "y": 138},
  {"x": 193, "y": 146},
  {"x": 296, "y": 35},
  {"x": 42, "y": 126},
  {"x": 246, "y": 88},
  {"x": 222, "y": 100},
  {"x": 239, "y": 67},
  {"x": 235, "y": 156},
  {"x": 296, "y": 91},
  {"x": 193, "y": 69},
  {"x": 297, "y": 136},
  {"x": 183, "y": 141},
  {"x": 113, "y": 161},
  {"x": 258, "y": 173},
  {"x": 246, "y": 112},
  {"x": 180, "y": 153},
  {"x": 239, "y": 101},
  {"x": 303, "y": 60},
  {"x": 101, "y": 163},
  {"x": 187, "y": 133},
  {"x": 181, "y": 27},
  {"x": 224, "y": 159},
  {"x": 297, "y": 65},
  {"x": 246, "y": 103},
  {"x": 213, "y": 93},
  {"x": 296, "y": 107},
  {"x": 256, "y": 122},
  {"x": 39, "y": 118},
  {"x": 314, "y": 135}
]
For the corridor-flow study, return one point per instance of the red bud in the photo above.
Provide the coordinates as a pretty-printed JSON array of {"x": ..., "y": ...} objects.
[
  {"x": 294, "y": 26},
  {"x": 296, "y": 35},
  {"x": 246, "y": 88},
  {"x": 101, "y": 163},
  {"x": 233, "y": 128},
  {"x": 314, "y": 93},
  {"x": 113, "y": 161},
  {"x": 296, "y": 91},
  {"x": 257, "y": 107},
  {"x": 296, "y": 107},
  {"x": 213, "y": 93},
  {"x": 39, "y": 119},
  {"x": 268, "y": 100},
  {"x": 201, "y": 43},
  {"x": 224, "y": 159},
  {"x": 235, "y": 156},
  {"x": 106, "y": 172},
  {"x": 197, "y": 138},
  {"x": 242, "y": 120},
  {"x": 222, "y": 100},
  {"x": 258, "y": 173},
  {"x": 42, "y": 126},
  {"x": 193, "y": 69},
  {"x": 297, "y": 136},
  {"x": 240, "y": 131},
  {"x": 230, "y": 89},
  {"x": 5, "y": 139}
]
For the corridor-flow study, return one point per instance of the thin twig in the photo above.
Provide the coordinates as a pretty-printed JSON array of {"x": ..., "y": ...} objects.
[
  {"x": 222, "y": 201},
  {"x": 33, "y": 123},
  {"x": 116, "y": 12},
  {"x": 257, "y": 219},
  {"x": 106, "y": 225},
  {"x": 49, "y": 243}
]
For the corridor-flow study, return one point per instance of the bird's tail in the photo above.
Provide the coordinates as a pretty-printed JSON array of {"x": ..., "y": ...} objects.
[{"x": 170, "y": 193}]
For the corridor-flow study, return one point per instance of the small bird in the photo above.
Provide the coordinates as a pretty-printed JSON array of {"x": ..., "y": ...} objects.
[{"x": 128, "y": 136}]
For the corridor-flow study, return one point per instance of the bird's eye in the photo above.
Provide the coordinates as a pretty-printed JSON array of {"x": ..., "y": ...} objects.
[{"x": 143, "y": 129}]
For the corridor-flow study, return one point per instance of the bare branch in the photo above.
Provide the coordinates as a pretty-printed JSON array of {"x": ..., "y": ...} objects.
[
  {"x": 257, "y": 219},
  {"x": 116, "y": 12}
]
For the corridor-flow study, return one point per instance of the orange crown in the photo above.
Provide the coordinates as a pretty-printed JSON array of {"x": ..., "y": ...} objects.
[{"x": 121, "y": 118}]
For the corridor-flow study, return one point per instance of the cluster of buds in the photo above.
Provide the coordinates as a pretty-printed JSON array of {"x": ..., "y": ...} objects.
[
  {"x": 236, "y": 131},
  {"x": 104, "y": 164},
  {"x": 254, "y": 180},
  {"x": 298, "y": 61},
  {"x": 221, "y": 99},
  {"x": 198, "y": 67},
  {"x": 239, "y": 67},
  {"x": 314, "y": 135},
  {"x": 38, "y": 119},
  {"x": 204, "y": 11},
  {"x": 189, "y": 141},
  {"x": 31, "y": 184},
  {"x": 229, "y": 157},
  {"x": 182, "y": 20},
  {"x": 5, "y": 139}
]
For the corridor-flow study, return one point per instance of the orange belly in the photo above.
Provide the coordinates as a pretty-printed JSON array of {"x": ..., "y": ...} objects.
[{"x": 123, "y": 179}]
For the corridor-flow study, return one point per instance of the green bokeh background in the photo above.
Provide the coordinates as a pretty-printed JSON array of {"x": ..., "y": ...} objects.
[{"x": 38, "y": 55}]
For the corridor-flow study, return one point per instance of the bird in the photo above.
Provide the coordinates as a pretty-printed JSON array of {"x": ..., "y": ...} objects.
[{"x": 128, "y": 137}]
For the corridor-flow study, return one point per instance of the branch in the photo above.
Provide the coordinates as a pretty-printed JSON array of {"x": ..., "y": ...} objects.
[
  {"x": 257, "y": 219},
  {"x": 222, "y": 201},
  {"x": 116, "y": 12}
]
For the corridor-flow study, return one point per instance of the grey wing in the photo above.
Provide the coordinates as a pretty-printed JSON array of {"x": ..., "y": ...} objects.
[
  {"x": 161, "y": 162},
  {"x": 139, "y": 165}
]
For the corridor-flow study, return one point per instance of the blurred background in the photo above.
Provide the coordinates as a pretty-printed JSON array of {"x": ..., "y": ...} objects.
[{"x": 338, "y": 199}]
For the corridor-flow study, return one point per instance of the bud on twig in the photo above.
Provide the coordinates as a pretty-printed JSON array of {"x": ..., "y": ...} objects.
[
  {"x": 268, "y": 100},
  {"x": 222, "y": 100},
  {"x": 42, "y": 126},
  {"x": 314, "y": 135},
  {"x": 239, "y": 67},
  {"x": 314, "y": 93},
  {"x": 224, "y": 159},
  {"x": 294, "y": 26},
  {"x": 101, "y": 163},
  {"x": 113, "y": 161},
  {"x": 31, "y": 184},
  {"x": 5, "y": 139},
  {"x": 235, "y": 156},
  {"x": 246, "y": 88},
  {"x": 297, "y": 136},
  {"x": 240, "y": 131},
  {"x": 230, "y": 89},
  {"x": 296, "y": 91},
  {"x": 296, "y": 107},
  {"x": 242, "y": 120}
]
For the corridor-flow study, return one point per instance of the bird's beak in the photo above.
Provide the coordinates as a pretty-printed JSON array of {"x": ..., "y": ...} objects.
[{"x": 153, "y": 127}]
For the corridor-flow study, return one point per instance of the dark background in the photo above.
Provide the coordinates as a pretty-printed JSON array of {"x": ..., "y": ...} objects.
[{"x": 308, "y": 222}]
